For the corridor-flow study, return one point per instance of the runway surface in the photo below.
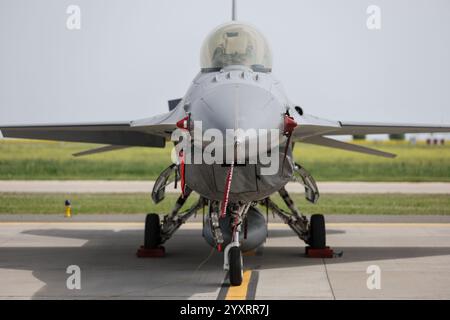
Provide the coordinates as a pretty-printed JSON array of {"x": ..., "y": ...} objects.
[
  {"x": 146, "y": 186},
  {"x": 413, "y": 258}
]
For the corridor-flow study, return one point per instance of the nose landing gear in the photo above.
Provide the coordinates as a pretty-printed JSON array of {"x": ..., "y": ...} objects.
[
  {"x": 233, "y": 261},
  {"x": 236, "y": 266},
  {"x": 232, "y": 255}
]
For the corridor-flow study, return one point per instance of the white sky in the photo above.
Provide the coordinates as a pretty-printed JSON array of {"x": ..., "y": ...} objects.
[{"x": 131, "y": 56}]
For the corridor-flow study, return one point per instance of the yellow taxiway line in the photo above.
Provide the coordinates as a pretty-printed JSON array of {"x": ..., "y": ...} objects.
[{"x": 240, "y": 292}]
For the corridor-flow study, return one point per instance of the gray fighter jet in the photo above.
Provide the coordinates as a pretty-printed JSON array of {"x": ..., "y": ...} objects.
[{"x": 235, "y": 89}]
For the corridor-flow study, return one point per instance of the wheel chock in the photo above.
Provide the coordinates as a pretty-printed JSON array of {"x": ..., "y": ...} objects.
[
  {"x": 157, "y": 252},
  {"x": 326, "y": 252}
]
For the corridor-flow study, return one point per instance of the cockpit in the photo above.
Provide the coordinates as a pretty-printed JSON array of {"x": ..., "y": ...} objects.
[{"x": 236, "y": 43}]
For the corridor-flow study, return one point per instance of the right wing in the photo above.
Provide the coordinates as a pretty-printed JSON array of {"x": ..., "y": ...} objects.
[
  {"x": 109, "y": 133},
  {"x": 99, "y": 150},
  {"x": 150, "y": 132}
]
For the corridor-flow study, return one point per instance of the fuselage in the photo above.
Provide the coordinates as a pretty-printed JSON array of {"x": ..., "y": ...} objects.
[
  {"x": 251, "y": 103},
  {"x": 237, "y": 100}
]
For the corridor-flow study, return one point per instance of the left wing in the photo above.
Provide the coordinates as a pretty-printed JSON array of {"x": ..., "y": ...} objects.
[
  {"x": 327, "y": 142},
  {"x": 313, "y": 130},
  {"x": 387, "y": 128}
]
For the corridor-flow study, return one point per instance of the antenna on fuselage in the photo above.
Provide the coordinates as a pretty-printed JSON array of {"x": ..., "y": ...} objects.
[{"x": 234, "y": 10}]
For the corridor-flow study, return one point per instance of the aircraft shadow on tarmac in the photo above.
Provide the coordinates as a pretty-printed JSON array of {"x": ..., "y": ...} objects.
[
  {"x": 111, "y": 269},
  {"x": 287, "y": 233}
]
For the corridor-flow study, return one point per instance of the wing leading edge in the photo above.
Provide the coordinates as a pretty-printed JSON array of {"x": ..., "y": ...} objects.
[
  {"x": 314, "y": 130},
  {"x": 111, "y": 133},
  {"x": 149, "y": 132},
  {"x": 327, "y": 142},
  {"x": 387, "y": 128}
]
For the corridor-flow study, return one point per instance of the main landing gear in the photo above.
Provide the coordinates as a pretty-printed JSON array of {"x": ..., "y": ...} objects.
[
  {"x": 317, "y": 235},
  {"x": 312, "y": 232},
  {"x": 157, "y": 233},
  {"x": 152, "y": 234}
]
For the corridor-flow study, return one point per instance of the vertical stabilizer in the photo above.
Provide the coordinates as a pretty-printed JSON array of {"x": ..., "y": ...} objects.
[{"x": 234, "y": 10}]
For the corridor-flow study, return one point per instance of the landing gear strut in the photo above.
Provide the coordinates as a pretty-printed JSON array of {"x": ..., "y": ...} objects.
[
  {"x": 157, "y": 233},
  {"x": 313, "y": 232},
  {"x": 232, "y": 256}
]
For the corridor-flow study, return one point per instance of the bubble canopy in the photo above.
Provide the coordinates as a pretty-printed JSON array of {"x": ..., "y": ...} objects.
[{"x": 236, "y": 43}]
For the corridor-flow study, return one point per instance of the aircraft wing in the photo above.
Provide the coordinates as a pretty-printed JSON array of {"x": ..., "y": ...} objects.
[
  {"x": 309, "y": 126},
  {"x": 386, "y": 128},
  {"x": 151, "y": 132},
  {"x": 148, "y": 132},
  {"x": 105, "y": 133},
  {"x": 331, "y": 143},
  {"x": 314, "y": 130}
]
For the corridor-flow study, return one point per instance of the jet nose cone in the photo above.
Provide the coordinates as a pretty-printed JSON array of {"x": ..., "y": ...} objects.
[
  {"x": 238, "y": 106},
  {"x": 244, "y": 114}
]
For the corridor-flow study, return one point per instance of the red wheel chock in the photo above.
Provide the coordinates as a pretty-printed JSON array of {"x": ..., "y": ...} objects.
[
  {"x": 158, "y": 252},
  {"x": 326, "y": 252}
]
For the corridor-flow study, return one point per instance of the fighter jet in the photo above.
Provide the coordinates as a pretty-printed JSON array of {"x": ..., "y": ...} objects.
[{"x": 234, "y": 93}]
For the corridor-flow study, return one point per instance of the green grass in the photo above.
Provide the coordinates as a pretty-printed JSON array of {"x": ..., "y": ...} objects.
[
  {"x": 28, "y": 160},
  {"x": 398, "y": 204}
]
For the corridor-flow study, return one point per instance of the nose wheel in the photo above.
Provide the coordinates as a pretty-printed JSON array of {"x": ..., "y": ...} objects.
[
  {"x": 233, "y": 255},
  {"x": 236, "y": 266}
]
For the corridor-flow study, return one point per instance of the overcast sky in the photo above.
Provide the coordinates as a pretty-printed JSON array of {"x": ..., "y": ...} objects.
[{"x": 131, "y": 56}]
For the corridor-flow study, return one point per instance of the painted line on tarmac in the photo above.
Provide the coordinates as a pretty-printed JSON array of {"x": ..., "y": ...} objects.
[
  {"x": 251, "y": 291},
  {"x": 389, "y": 224},
  {"x": 240, "y": 292},
  {"x": 73, "y": 223},
  {"x": 223, "y": 288},
  {"x": 246, "y": 291}
]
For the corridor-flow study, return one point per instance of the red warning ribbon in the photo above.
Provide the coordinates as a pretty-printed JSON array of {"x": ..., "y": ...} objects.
[
  {"x": 289, "y": 126},
  {"x": 226, "y": 193}
]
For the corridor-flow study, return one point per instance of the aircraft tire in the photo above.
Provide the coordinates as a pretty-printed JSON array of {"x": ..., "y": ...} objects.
[
  {"x": 318, "y": 232},
  {"x": 236, "y": 266},
  {"x": 152, "y": 235}
]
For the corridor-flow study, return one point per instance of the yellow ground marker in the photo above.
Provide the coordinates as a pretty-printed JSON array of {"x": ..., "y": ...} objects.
[
  {"x": 240, "y": 292},
  {"x": 68, "y": 207}
]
